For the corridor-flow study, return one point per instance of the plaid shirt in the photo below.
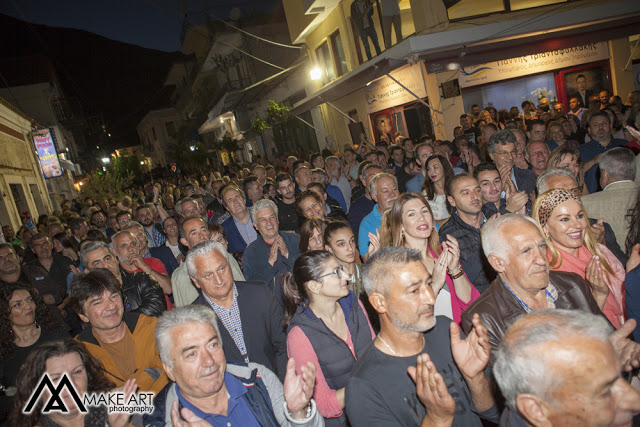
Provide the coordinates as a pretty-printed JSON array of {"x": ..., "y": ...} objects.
[
  {"x": 155, "y": 237},
  {"x": 230, "y": 318},
  {"x": 550, "y": 292}
]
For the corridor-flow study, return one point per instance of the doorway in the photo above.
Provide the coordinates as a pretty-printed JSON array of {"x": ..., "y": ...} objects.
[{"x": 20, "y": 199}]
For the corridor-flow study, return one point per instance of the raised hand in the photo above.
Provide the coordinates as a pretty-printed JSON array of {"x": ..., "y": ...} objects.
[
  {"x": 273, "y": 253},
  {"x": 121, "y": 419},
  {"x": 454, "y": 251},
  {"x": 472, "y": 353},
  {"x": 595, "y": 276},
  {"x": 189, "y": 419},
  {"x": 516, "y": 201},
  {"x": 432, "y": 392},
  {"x": 284, "y": 250},
  {"x": 598, "y": 231},
  {"x": 628, "y": 351},
  {"x": 374, "y": 242},
  {"x": 439, "y": 275},
  {"x": 298, "y": 388}
]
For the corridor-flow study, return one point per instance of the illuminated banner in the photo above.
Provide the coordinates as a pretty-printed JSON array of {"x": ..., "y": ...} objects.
[
  {"x": 385, "y": 93},
  {"x": 47, "y": 154},
  {"x": 532, "y": 64}
]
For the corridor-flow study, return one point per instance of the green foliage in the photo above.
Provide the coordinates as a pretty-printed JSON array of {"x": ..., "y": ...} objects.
[
  {"x": 277, "y": 115},
  {"x": 227, "y": 143},
  {"x": 110, "y": 184}
]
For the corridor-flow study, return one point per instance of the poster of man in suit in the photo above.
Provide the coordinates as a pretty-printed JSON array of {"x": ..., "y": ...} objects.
[{"x": 585, "y": 83}]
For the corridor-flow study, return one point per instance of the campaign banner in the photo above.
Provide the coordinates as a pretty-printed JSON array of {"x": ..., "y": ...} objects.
[
  {"x": 532, "y": 64},
  {"x": 385, "y": 93},
  {"x": 47, "y": 154}
]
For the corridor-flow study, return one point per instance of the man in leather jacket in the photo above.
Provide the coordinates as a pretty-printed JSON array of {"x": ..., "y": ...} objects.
[
  {"x": 141, "y": 293},
  {"x": 524, "y": 282}
]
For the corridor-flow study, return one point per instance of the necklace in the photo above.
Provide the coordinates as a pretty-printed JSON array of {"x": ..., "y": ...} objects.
[{"x": 391, "y": 350}]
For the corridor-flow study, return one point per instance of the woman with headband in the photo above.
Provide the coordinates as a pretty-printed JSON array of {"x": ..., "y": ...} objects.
[{"x": 571, "y": 247}]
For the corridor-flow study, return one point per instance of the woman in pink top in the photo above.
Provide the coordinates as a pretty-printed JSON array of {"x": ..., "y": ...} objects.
[
  {"x": 571, "y": 247},
  {"x": 409, "y": 223},
  {"x": 327, "y": 325}
]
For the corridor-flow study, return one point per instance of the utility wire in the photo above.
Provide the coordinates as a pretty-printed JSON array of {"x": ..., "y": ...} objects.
[
  {"x": 253, "y": 35},
  {"x": 12, "y": 95}
]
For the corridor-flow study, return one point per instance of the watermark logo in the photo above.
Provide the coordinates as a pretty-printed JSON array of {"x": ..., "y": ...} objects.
[{"x": 116, "y": 401}]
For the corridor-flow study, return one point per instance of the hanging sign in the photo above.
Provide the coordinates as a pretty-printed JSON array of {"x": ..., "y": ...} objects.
[
  {"x": 47, "y": 155},
  {"x": 384, "y": 93},
  {"x": 532, "y": 64}
]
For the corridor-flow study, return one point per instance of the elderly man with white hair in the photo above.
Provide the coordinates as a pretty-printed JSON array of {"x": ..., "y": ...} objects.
[
  {"x": 273, "y": 253},
  {"x": 517, "y": 251},
  {"x": 205, "y": 388},
  {"x": 559, "y": 368},
  {"x": 251, "y": 318}
]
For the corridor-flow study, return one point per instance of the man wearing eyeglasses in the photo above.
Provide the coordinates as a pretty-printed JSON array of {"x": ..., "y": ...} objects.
[
  {"x": 502, "y": 150},
  {"x": 250, "y": 318}
]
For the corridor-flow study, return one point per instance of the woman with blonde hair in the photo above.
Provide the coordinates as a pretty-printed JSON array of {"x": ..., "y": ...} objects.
[
  {"x": 311, "y": 235},
  {"x": 569, "y": 158},
  {"x": 409, "y": 223},
  {"x": 571, "y": 247},
  {"x": 555, "y": 132}
]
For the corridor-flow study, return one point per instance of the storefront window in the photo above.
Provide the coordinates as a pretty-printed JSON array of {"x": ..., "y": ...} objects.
[{"x": 338, "y": 54}]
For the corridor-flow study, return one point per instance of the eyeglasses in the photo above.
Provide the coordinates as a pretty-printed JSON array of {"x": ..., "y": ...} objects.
[
  {"x": 337, "y": 271},
  {"x": 506, "y": 153}
]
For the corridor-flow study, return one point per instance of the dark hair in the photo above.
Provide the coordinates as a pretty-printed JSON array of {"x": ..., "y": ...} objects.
[
  {"x": 307, "y": 267},
  {"x": 428, "y": 186},
  {"x": 535, "y": 122},
  {"x": 76, "y": 223},
  {"x": 525, "y": 103},
  {"x": 333, "y": 227},
  {"x": 482, "y": 167},
  {"x": 298, "y": 164},
  {"x": 91, "y": 284},
  {"x": 143, "y": 206},
  {"x": 395, "y": 148},
  {"x": 580, "y": 75},
  {"x": 123, "y": 213},
  {"x": 34, "y": 367},
  {"x": 217, "y": 228},
  {"x": 248, "y": 181},
  {"x": 313, "y": 157},
  {"x": 306, "y": 231},
  {"x": 43, "y": 315},
  {"x": 97, "y": 235},
  {"x": 449, "y": 184},
  {"x": 65, "y": 241},
  {"x": 183, "y": 221},
  {"x": 316, "y": 185},
  {"x": 475, "y": 105},
  {"x": 300, "y": 197},
  {"x": 350, "y": 150},
  {"x": 94, "y": 213},
  {"x": 282, "y": 176}
]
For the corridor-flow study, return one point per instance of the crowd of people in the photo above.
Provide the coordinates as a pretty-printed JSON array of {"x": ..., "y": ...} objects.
[{"x": 489, "y": 279}]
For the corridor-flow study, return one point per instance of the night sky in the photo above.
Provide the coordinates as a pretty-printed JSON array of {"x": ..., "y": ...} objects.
[{"x": 153, "y": 24}]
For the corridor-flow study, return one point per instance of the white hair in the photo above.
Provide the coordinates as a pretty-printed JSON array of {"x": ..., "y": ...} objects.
[
  {"x": 202, "y": 249},
  {"x": 521, "y": 365},
  {"x": 260, "y": 205},
  {"x": 493, "y": 242},
  {"x": 178, "y": 317},
  {"x": 542, "y": 184},
  {"x": 377, "y": 177}
]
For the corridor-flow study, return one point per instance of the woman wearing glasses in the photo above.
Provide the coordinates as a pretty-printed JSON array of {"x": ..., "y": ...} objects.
[{"x": 327, "y": 325}]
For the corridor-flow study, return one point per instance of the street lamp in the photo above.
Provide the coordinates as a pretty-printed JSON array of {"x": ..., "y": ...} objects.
[
  {"x": 316, "y": 73},
  {"x": 192, "y": 148},
  {"x": 106, "y": 160}
]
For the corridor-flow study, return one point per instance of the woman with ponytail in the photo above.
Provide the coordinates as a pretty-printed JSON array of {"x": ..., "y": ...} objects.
[{"x": 327, "y": 325}]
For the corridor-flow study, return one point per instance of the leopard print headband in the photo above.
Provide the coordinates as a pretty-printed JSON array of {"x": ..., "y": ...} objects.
[{"x": 551, "y": 200}]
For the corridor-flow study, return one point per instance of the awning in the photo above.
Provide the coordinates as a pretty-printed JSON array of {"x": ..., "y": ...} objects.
[{"x": 479, "y": 44}]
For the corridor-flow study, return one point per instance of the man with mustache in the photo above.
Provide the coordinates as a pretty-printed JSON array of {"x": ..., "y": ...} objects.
[
  {"x": 465, "y": 196},
  {"x": 447, "y": 384},
  {"x": 517, "y": 251},
  {"x": 491, "y": 185},
  {"x": 384, "y": 191}
]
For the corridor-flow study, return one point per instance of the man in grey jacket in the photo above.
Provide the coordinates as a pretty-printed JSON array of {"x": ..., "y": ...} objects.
[{"x": 205, "y": 388}]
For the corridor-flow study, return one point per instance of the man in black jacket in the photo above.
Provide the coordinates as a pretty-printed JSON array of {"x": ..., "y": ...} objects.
[
  {"x": 141, "y": 293},
  {"x": 251, "y": 320},
  {"x": 465, "y": 196}
]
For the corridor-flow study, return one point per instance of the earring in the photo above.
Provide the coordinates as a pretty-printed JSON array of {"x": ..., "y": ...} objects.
[{"x": 402, "y": 233}]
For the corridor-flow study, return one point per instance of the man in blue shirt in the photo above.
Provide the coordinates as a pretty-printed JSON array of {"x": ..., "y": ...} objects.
[
  {"x": 205, "y": 387},
  {"x": 601, "y": 141},
  {"x": 384, "y": 190},
  {"x": 423, "y": 152}
]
